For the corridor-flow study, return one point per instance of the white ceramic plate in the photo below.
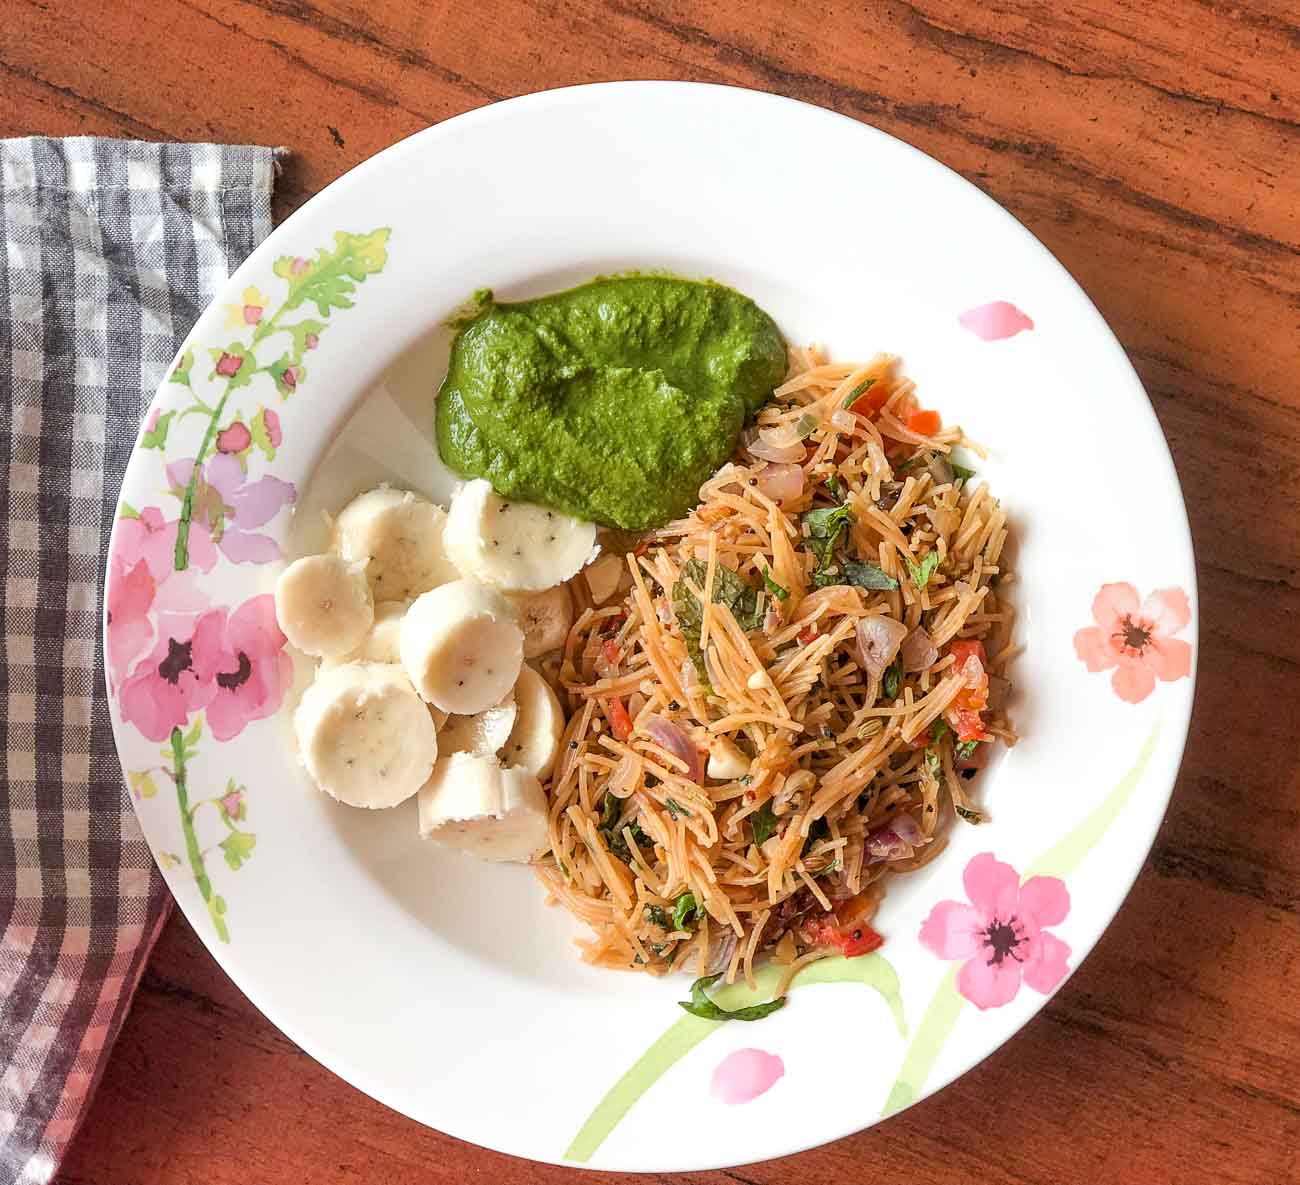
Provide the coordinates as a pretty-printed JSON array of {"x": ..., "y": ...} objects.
[{"x": 445, "y": 988}]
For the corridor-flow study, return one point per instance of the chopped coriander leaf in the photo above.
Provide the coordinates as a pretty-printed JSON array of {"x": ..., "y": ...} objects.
[
  {"x": 763, "y": 821},
  {"x": 921, "y": 573},
  {"x": 969, "y": 815},
  {"x": 675, "y": 809},
  {"x": 700, "y": 1005},
  {"x": 833, "y": 484},
  {"x": 868, "y": 575},
  {"x": 940, "y": 729},
  {"x": 778, "y": 591},
  {"x": 960, "y": 471},
  {"x": 656, "y": 915},
  {"x": 893, "y": 681},
  {"x": 610, "y": 809}
]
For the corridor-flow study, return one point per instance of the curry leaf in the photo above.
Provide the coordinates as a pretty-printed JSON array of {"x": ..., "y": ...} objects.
[
  {"x": 893, "y": 681},
  {"x": 728, "y": 589},
  {"x": 656, "y": 915},
  {"x": 683, "y": 908},
  {"x": 763, "y": 821},
  {"x": 700, "y": 1005},
  {"x": 868, "y": 575}
]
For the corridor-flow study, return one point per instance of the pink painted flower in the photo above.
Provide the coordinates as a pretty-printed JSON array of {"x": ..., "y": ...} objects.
[
  {"x": 143, "y": 585},
  {"x": 234, "y": 439},
  {"x": 151, "y": 420},
  {"x": 312, "y": 340},
  {"x": 272, "y": 421},
  {"x": 172, "y": 683},
  {"x": 1137, "y": 639},
  {"x": 232, "y": 803},
  {"x": 744, "y": 1074},
  {"x": 995, "y": 321},
  {"x": 228, "y": 365},
  {"x": 1002, "y": 934},
  {"x": 289, "y": 377},
  {"x": 231, "y": 506},
  {"x": 250, "y": 670},
  {"x": 299, "y": 265},
  {"x": 248, "y": 312},
  {"x": 130, "y": 596}
]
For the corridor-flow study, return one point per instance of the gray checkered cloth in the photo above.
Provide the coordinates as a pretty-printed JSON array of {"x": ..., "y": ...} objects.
[{"x": 112, "y": 249}]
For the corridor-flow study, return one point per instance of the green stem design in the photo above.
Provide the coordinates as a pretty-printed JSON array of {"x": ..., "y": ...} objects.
[
  {"x": 214, "y": 903},
  {"x": 181, "y": 559},
  {"x": 1059, "y": 860},
  {"x": 687, "y": 1032}
]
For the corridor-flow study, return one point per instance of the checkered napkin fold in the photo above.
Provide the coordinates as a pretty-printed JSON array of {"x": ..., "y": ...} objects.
[{"x": 112, "y": 249}]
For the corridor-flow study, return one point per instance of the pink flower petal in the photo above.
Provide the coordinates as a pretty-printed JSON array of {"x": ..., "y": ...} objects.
[
  {"x": 987, "y": 984},
  {"x": 745, "y": 1074},
  {"x": 1096, "y": 649},
  {"x": 1044, "y": 901},
  {"x": 225, "y": 475},
  {"x": 256, "y": 503},
  {"x": 179, "y": 473},
  {"x": 1168, "y": 658},
  {"x": 1047, "y": 965},
  {"x": 1167, "y": 611},
  {"x": 952, "y": 931},
  {"x": 243, "y": 547},
  {"x": 994, "y": 321},
  {"x": 993, "y": 887},
  {"x": 1112, "y": 604},
  {"x": 1133, "y": 681}
]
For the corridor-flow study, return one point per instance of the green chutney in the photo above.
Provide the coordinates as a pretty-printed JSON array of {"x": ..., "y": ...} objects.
[{"x": 613, "y": 401}]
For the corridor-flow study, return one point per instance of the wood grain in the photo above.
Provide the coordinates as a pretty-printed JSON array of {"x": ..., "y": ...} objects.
[{"x": 1152, "y": 146}]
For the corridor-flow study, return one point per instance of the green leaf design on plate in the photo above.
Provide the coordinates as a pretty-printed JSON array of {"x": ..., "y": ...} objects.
[
  {"x": 874, "y": 970},
  {"x": 947, "y": 1003},
  {"x": 156, "y": 437},
  {"x": 238, "y": 848},
  {"x": 329, "y": 281}
]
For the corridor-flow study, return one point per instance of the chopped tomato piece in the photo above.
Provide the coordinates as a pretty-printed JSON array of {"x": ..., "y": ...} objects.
[
  {"x": 846, "y": 928},
  {"x": 870, "y": 401},
  {"x": 610, "y": 649},
  {"x": 963, "y": 648},
  {"x": 924, "y": 423},
  {"x": 806, "y": 635},
  {"x": 620, "y": 722},
  {"x": 967, "y": 724},
  {"x": 972, "y": 699}
]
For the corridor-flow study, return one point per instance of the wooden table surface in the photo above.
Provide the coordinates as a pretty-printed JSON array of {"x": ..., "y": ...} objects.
[{"x": 1154, "y": 147}]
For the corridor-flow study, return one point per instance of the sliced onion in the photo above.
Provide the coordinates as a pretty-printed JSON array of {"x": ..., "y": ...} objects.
[
  {"x": 790, "y": 455},
  {"x": 907, "y": 829},
  {"x": 772, "y": 621},
  {"x": 894, "y": 841},
  {"x": 720, "y": 950},
  {"x": 878, "y": 642},
  {"x": 940, "y": 470},
  {"x": 845, "y": 421},
  {"x": 669, "y": 737},
  {"x": 690, "y": 676},
  {"x": 781, "y": 482},
  {"x": 623, "y": 780},
  {"x": 919, "y": 651}
]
